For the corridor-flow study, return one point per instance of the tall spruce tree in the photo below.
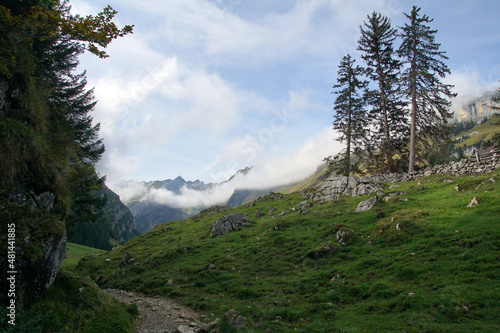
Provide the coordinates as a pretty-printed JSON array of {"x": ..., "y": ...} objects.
[
  {"x": 429, "y": 96},
  {"x": 48, "y": 143},
  {"x": 383, "y": 68},
  {"x": 349, "y": 106}
]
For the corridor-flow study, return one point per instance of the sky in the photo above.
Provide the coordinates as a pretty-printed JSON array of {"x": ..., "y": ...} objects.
[{"x": 204, "y": 88}]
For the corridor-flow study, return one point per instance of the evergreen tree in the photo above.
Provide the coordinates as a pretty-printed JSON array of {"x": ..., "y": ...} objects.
[
  {"x": 376, "y": 46},
  {"x": 48, "y": 142},
  {"x": 430, "y": 106},
  {"x": 350, "y": 118}
]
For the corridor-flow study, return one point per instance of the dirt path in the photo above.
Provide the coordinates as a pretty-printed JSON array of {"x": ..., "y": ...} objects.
[{"x": 161, "y": 315}]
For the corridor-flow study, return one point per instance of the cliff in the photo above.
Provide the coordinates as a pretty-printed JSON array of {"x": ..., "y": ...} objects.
[{"x": 478, "y": 109}]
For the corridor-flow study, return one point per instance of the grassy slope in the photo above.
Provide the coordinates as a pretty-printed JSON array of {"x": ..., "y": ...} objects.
[
  {"x": 439, "y": 273},
  {"x": 485, "y": 131},
  {"x": 75, "y": 251},
  {"x": 73, "y": 304}
]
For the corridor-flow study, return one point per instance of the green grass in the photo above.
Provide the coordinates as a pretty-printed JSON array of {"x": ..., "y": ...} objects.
[
  {"x": 74, "y": 253},
  {"x": 439, "y": 273},
  {"x": 485, "y": 131},
  {"x": 72, "y": 305}
]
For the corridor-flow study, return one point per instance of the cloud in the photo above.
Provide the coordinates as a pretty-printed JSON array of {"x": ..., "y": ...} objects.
[
  {"x": 281, "y": 170},
  {"x": 469, "y": 85}
]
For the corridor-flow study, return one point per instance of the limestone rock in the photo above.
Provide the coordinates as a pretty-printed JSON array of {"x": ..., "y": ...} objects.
[
  {"x": 305, "y": 206},
  {"x": 335, "y": 186},
  {"x": 363, "y": 206},
  {"x": 474, "y": 202},
  {"x": 229, "y": 223},
  {"x": 235, "y": 319}
]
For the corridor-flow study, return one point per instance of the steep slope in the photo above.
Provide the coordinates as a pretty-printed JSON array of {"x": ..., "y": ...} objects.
[
  {"x": 115, "y": 226},
  {"x": 481, "y": 132},
  {"x": 421, "y": 260},
  {"x": 150, "y": 214}
]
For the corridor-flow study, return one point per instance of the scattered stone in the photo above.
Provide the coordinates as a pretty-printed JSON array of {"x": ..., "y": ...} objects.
[
  {"x": 292, "y": 209},
  {"x": 275, "y": 196},
  {"x": 235, "y": 319},
  {"x": 170, "y": 282},
  {"x": 473, "y": 203},
  {"x": 421, "y": 188},
  {"x": 457, "y": 188},
  {"x": 394, "y": 186},
  {"x": 404, "y": 199},
  {"x": 211, "y": 325},
  {"x": 342, "y": 236},
  {"x": 108, "y": 260},
  {"x": 461, "y": 308},
  {"x": 398, "y": 226},
  {"x": 228, "y": 223},
  {"x": 305, "y": 205},
  {"x": 448, "y": 181},
  {"x": 411, "y": 294},
  {"x": 185, "y": 329},
  {"x": 258, "y": 213},
  {"x": 282, "y": 213},
  {"x": 271, "y": 211},
  {"x": 277, "y": 226},
  {"x": 363, "y": 206}
]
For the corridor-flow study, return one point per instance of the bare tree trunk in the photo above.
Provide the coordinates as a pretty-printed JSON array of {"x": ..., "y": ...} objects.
[
  {"x": 387, "y": 144},
  {"x": 413, "y": 126}
]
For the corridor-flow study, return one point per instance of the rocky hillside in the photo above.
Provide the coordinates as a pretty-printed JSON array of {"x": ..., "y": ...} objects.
[{"x": 358, "y": 255}]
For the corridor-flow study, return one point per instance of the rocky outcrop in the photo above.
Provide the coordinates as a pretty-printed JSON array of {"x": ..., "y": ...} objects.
[
  {"x": 335, "y": 186},
  {"x": 39, "y": 244},
  {"x": 228, "y": 223}
]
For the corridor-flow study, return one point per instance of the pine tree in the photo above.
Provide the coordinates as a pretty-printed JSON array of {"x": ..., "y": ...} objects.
[
  {"x": 350, "y": 116},
  {"x": 429, "y": 96},
  {"x": 383, "y": 67}
]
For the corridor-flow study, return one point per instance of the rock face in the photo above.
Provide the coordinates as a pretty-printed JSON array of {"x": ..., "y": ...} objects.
[
  {"x": 335, "y": 186},
  {"x": 41, "y": 274},
  {"x": 481, "y": 108},
  {"x": 229, "y": 223},
  {"x": 40, "y": 241}
]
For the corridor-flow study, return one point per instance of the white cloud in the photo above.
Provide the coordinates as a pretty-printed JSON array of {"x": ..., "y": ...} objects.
[
  {"x": 269, "y": 173},
  {"x": 469, "y": 85}
]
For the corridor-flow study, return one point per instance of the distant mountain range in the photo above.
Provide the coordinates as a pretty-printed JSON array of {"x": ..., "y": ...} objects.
[{"x": 156, "y": 202}]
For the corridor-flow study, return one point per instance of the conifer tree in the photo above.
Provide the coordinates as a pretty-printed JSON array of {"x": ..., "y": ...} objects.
[
  {"x": 383, "y": 68},
  {"x": 429, "y": 96},
  {"x": 349, "y": 106}
]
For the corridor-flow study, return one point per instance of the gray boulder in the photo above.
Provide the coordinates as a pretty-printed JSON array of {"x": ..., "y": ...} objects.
[
  {"x": 229, "y": 223},
  {"x": 235, "y": 319},
  {"x": 367, "y": 204}
]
